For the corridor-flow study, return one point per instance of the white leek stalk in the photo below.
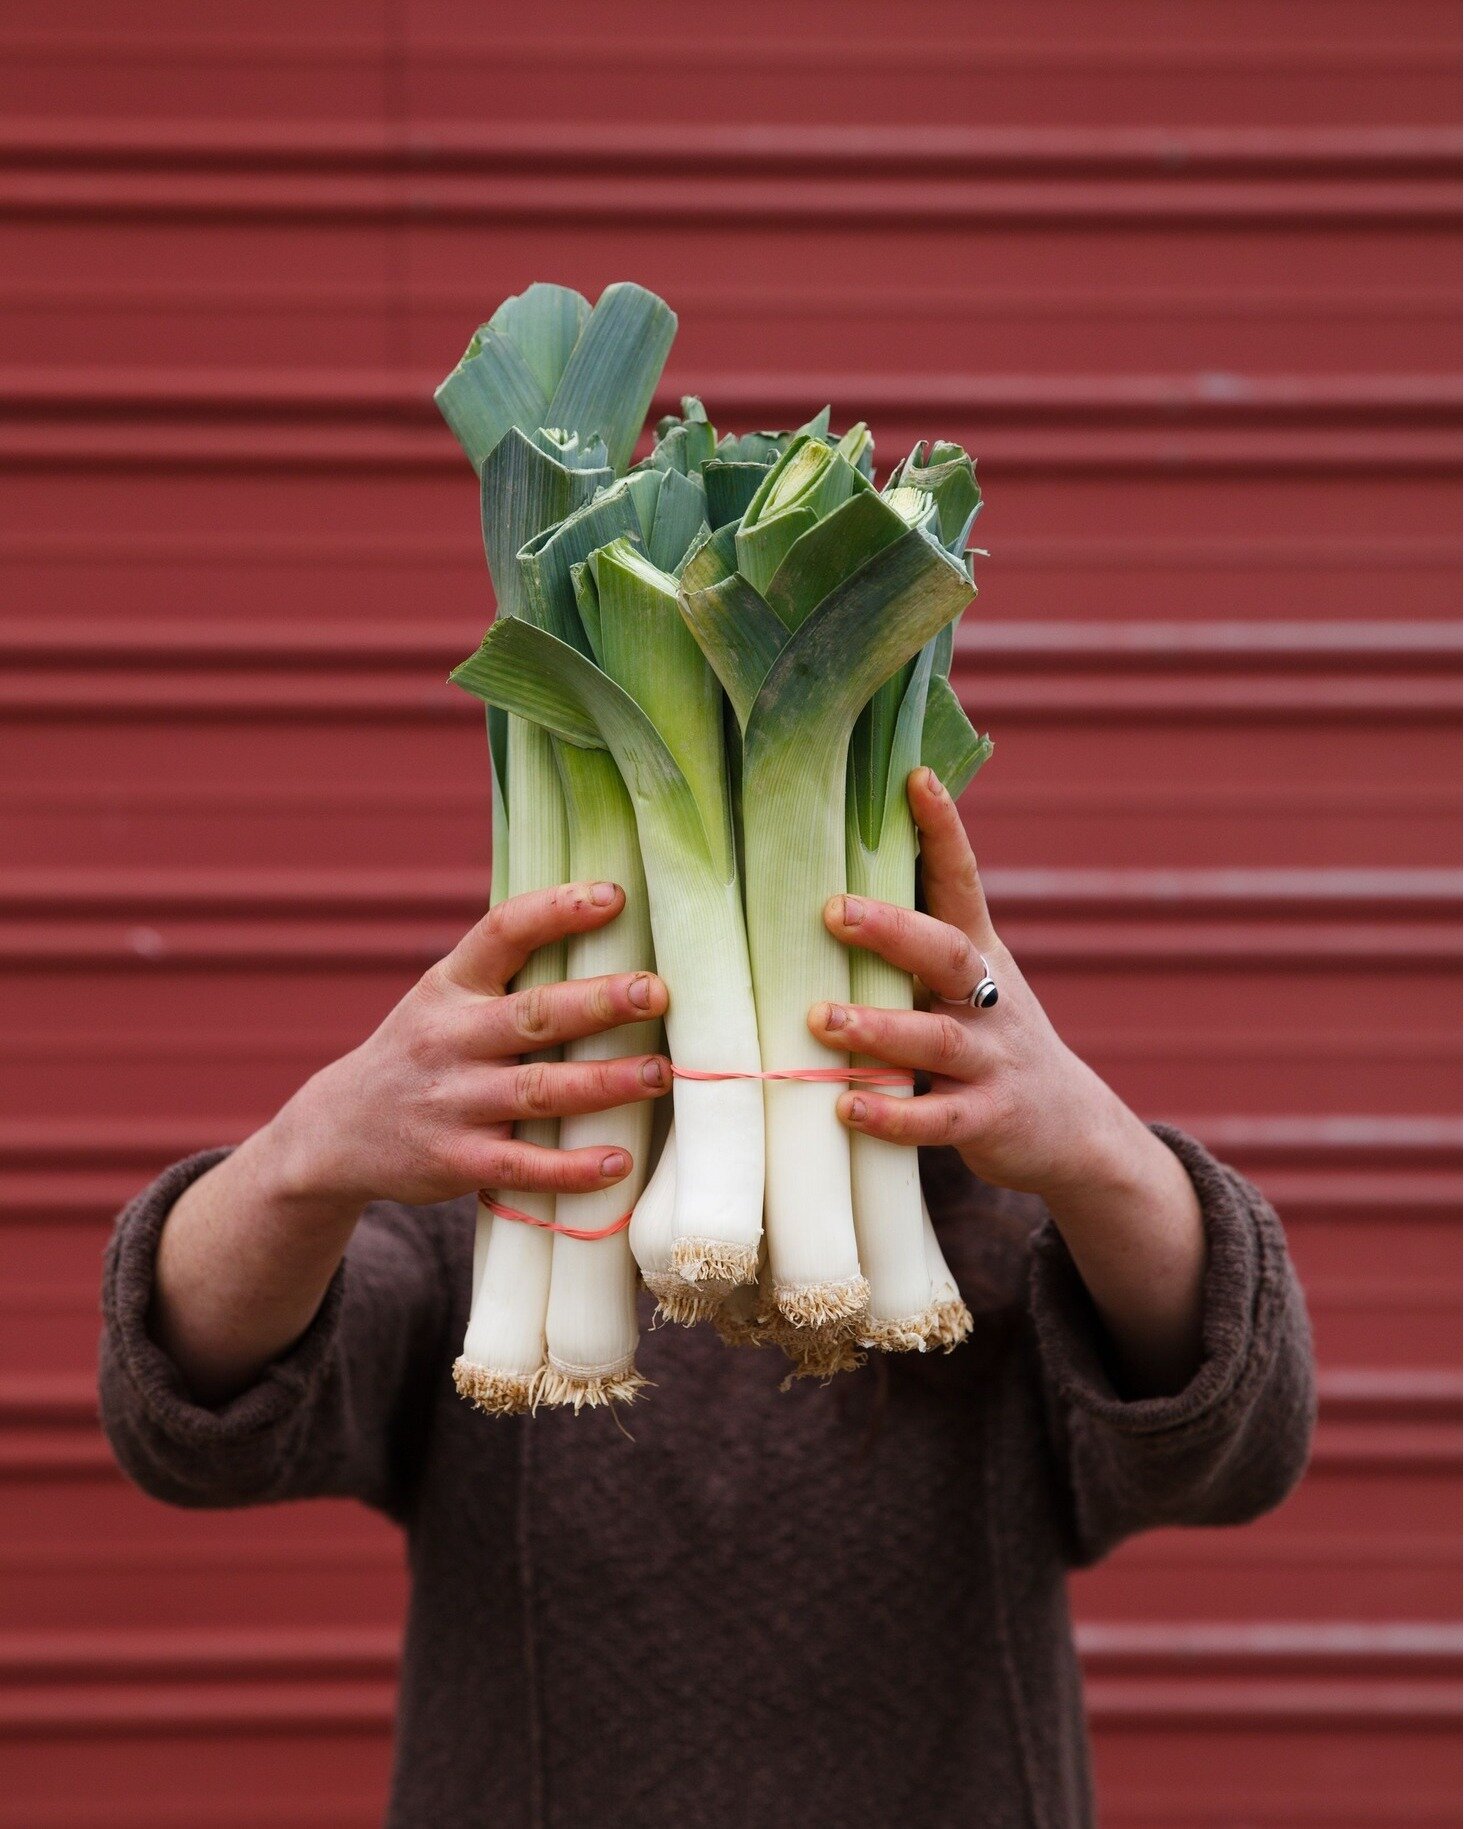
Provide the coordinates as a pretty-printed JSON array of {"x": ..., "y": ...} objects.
[
  {"x": 503, "y": 1349},
  {"x": 653, "y": 1232},
  {"x": 591, "y": 1326},
  {"x": 885, "y": 1177},
  {"x": 953, "y": 1318}
]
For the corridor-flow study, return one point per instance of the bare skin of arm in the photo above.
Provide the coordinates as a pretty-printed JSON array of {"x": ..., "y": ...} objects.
[
  {"x": 1021, "y": 1108},
  {"x": 422, "y": 1111}
]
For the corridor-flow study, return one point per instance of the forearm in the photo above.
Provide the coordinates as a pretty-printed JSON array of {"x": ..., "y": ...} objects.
[
  {"x": 244, "y": 1260},
  {"x": 421, "y": 1112},
  {"x": 1133, "y": 1225}
]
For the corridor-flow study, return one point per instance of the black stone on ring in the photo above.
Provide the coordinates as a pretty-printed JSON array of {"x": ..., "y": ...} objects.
[{"x": 985, "y": 993}]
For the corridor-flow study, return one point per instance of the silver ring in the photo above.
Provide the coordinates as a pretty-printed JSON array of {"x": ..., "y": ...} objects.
[{"x": 983, "y": 994}]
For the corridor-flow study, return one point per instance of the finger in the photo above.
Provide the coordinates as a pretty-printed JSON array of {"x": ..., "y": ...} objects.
[
  {"x": 560, "y": 1089},
  {"x": 547, "y": 1014},
  {"x": 933, "y": 1117},
  {"x": 942, "y": 956},
  {"x": 948, "y": 870},
  {"x": 934, "y": 1042},
  {"x": 491, "y": 954},
  {"x": 512, "y": 1165}
]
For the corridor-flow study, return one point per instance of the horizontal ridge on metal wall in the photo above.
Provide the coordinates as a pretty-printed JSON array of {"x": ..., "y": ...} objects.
[
  {"x": 1174, "y": 153},
  {"x": 389, "y": 397},
  {"x": 573, "y": 198}
]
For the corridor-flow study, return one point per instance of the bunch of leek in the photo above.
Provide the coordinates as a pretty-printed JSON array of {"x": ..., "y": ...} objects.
[{"x": 709, "y": 678}]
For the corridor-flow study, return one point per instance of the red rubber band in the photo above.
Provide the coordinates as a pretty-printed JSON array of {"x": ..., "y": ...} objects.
[
  {"x": 822, "y": 1076},
  {"x": 550, "y": 1225}
]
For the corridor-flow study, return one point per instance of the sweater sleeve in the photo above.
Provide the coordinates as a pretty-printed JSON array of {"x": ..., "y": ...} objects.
[
  {"x": 1234, "y": 1442},
  {"x": 342, "y": 1413}
]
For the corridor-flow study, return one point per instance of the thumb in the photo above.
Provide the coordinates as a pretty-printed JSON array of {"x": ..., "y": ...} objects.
[{"x": 953, "y": 891}]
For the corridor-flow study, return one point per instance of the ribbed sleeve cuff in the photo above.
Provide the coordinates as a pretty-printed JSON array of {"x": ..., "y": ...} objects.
[
  {"x": 1244, "y": 1301},
  {"x": 154, "y": 1383}
]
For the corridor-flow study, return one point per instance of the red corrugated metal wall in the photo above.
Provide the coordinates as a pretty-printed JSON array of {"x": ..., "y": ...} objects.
[{"x": 1184, "y": 276}]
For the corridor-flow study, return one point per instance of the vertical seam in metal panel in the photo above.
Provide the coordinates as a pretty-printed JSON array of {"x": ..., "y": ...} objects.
[
  {"x": 523, "y": 1532},
  {"x": 394, "y": 133}
]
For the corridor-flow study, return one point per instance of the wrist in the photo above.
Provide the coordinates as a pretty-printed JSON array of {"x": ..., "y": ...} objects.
[
  {"x": 1112, "y": 1157},
  {"x": 298, "y": 1159},
  {"x": 1133, "y": 1180}
]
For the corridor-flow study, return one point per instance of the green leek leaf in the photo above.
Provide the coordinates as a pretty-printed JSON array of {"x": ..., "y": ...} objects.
[
  {"x": 949, "y": 743},
  {"x": 545, "y": 360},
  {"x": 545, "y": 323},
  {"x": 711, "y": 558},
  {"x": 730, "y": 488},
  {"x": 530, "y": 674},
  {"x": 548, "y": 562},
  {"x": 948, "y": 474},
  {"x": 739, "y": 635},
  {"x": 807, "y": 482},
  {"x": 646, "y": 648},
  {"x": 490, "y": 392},
  {"x": 523, "y": 491},
  {"x": 863, "y": 631},
  {"x": 826, "y": 555},
  {"x": 608, "y": 381}
]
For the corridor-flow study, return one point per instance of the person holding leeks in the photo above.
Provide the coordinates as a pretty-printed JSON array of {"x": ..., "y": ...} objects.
[{"x": 1004, "y": 1323}]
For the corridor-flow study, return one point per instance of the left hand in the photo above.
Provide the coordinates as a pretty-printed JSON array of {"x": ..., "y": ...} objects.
[
  {"x": 1005, "y": 1090},
  {"x": 1020, "y": 1106}
]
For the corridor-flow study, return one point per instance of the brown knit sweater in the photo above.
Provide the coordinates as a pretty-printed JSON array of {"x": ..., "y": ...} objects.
[{"x": 835, "y": 1604}]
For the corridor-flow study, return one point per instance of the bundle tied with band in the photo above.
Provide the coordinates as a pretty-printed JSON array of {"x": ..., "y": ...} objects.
[{"x": 708, "y": 680}]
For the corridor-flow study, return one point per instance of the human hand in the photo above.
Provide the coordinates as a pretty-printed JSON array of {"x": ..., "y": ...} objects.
[
  {"x": 423, "y": 1110},
  {"x": 1023, "y": 1110}
]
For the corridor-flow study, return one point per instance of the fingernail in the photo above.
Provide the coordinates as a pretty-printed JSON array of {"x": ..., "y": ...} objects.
[
  {"x": 614, "y": 1164},
  {"x": 834, "y": 1016},
  {"x": 654, "y": 1073},
  {"x": 854, "y": 1110},
  {"x": 640, "y": 992},
  {"x": 853, "y": 911},
  {"x": 602, "y": 894},
  {"x": 934, "y": 784}
]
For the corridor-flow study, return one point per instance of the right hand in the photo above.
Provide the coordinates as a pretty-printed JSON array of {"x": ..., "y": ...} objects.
[{"x": 424, "y": 1109}]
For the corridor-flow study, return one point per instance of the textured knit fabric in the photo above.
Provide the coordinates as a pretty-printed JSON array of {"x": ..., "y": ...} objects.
[{"x": 832, "y": 1604}]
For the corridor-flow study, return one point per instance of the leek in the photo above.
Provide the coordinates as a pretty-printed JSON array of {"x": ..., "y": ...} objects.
[
  {"x": 901, "y": 727},
  {"x": 590, "y": 1326},
  {"x": 547, "y": 402},
  {"x": 653, "y": 1235},
  {"x": 952, "y": 1317},
  {"x": 833, "y": 593},
  {"x": 645, "y": 694}
]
